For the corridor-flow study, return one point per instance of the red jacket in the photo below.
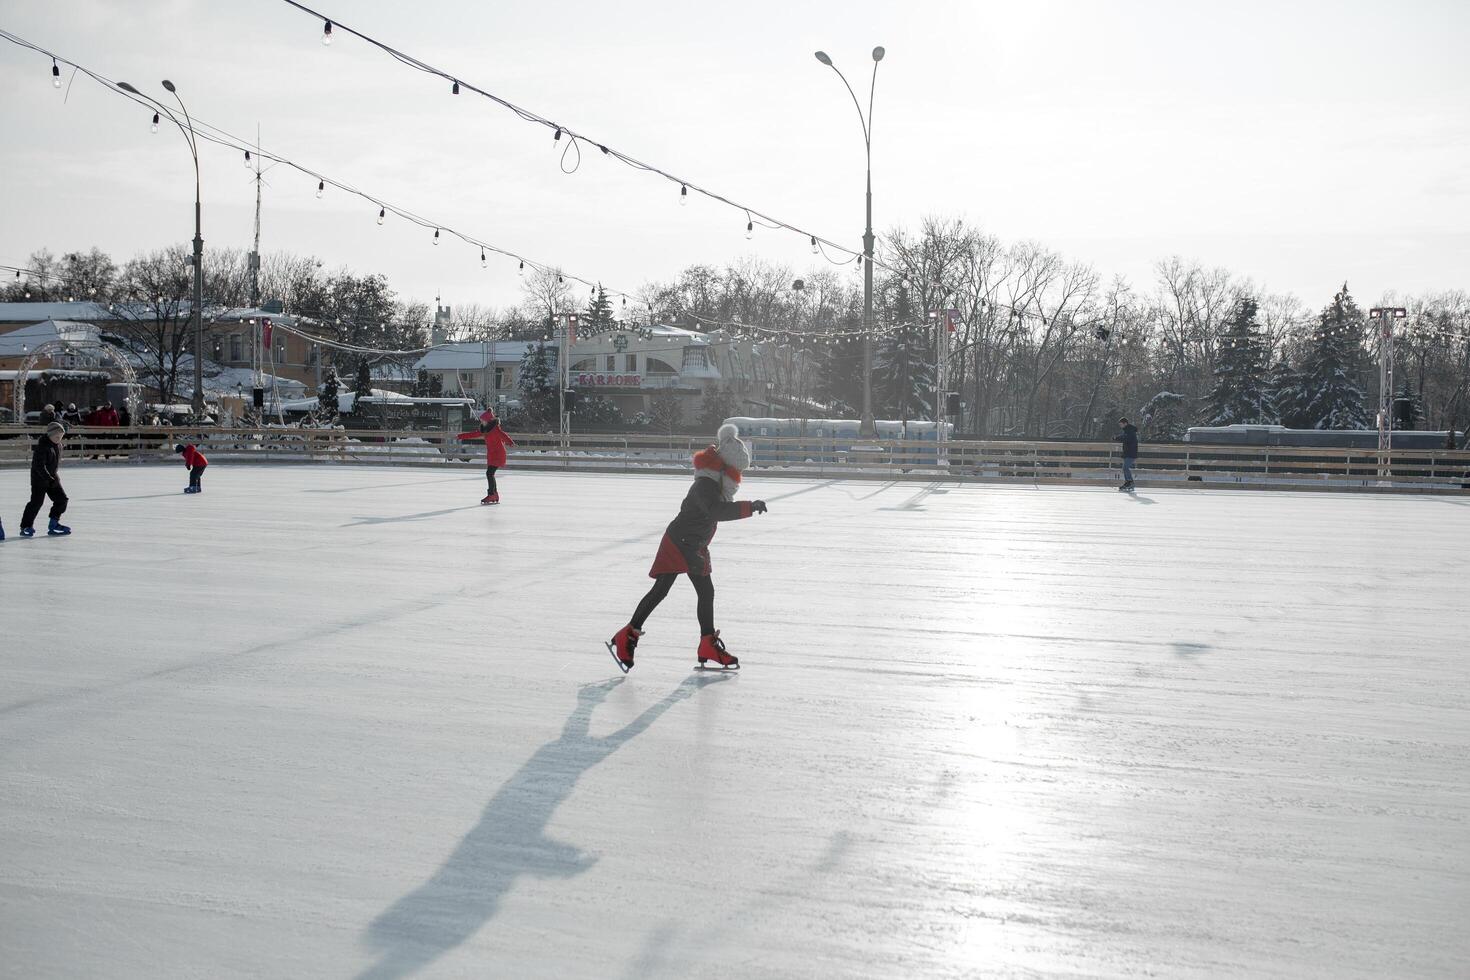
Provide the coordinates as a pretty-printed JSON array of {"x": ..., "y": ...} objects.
[
  {"x": 193, "y": 457},
  {"x": 496, "y": 441}
]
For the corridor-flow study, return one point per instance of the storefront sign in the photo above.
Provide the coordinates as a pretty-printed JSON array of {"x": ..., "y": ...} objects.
[{"x": 609, "y": 381}]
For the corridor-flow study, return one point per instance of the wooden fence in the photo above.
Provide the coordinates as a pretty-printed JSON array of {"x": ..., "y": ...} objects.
[{"x": 1178, "y": 464}]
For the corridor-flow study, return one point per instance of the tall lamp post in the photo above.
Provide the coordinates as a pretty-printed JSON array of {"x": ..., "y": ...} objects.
[
  {"x": 196, "y": 308},
  {"x": 867, "y": 428}
]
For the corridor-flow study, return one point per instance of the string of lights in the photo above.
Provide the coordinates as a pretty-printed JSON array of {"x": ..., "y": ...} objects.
[
  {"x": 457, "y": 84},
  {"x": 250, "y": 151},
  {"x": 753, "y": 216},
  {"x": 253, "y": 153}
]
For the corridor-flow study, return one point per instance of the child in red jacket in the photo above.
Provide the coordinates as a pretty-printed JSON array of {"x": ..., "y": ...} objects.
[
  {"x": 496, "y": 442},
  {"x": 196, "y": 462},
  {"x": 684, "y": 549}
]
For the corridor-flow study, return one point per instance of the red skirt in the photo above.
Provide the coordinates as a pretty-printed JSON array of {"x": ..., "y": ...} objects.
[{"x": 670, "y": 560}]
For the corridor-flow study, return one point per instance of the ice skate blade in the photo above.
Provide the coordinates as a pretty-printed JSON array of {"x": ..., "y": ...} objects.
[
  {"x": 717, "y": 668},
  {"x": 613, "y": 652}
]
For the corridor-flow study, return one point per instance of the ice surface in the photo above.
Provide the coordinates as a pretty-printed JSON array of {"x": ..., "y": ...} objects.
[{"x": 337, "y": 721}]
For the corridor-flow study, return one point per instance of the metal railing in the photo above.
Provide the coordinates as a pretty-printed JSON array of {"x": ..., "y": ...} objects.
[{"x": 1016, "y": 462}]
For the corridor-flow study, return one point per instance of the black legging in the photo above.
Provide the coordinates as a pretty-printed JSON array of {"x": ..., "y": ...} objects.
[
  {"x": 490, "y": 479},
  {"x": 704, "y": 588}
]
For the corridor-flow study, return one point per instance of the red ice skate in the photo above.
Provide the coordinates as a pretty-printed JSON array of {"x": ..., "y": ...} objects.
[
  {"x": 712, "y": 648},
  {"x": 491, "y": 498},
  {"x": 621, "y": 647}
]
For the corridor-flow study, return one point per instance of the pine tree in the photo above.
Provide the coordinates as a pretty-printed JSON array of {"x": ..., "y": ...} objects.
[
  {"x": 537, "y": 385},
  {"x": 1242, "y": 392},
  {"x": 599, "y": 314},
  {"x": 1326, "y": 395},
  {"x": 903, "y": 365},
  {"x": 1164, "y": 418},
  {"x": 326, "y": 395},
  {"x": 363, "y": 387},
  {"x": 1408, "y": 412},
  {"x": 1285, "y": 388}
]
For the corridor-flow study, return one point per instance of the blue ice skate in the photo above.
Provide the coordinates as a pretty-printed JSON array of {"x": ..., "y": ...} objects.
[
  {"x": 28, "y": 532},
  {"x": 57, "y": 529}
]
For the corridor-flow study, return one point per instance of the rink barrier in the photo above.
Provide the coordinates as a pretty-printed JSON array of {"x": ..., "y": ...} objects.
[{"x": 1181, "y": 464}]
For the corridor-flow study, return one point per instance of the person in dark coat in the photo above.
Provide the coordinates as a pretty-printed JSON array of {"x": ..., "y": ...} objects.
[
  {"x": 48, "y": 415},
  {"x": 1128, "y": 436},
  {"x": 684, "y": 549},
  {"x": 124, "y": 417},
  {"x": 46, "y": 482}
]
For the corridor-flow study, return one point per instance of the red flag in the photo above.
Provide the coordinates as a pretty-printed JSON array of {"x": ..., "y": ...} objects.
[{"x": 265, "y": 332}]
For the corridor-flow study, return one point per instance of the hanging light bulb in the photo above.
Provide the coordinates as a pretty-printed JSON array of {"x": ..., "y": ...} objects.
[
  {"x": 154, "y": 128},
  {"x": 749, "y": 230},
  {"x": 522, "y": 270},
  {"x": 558, "y": 279},
  {"x": 455, "y": 89},
  {"x": 247, "y": 159},
  {"x": 683, "y": 195},
  {"x": 436, "y": 236},
  {"x": 321, "y": 187},
  {"x": 327, "y": 32},
  {"x": 382, "y": 213},
  {"x": 815, "y": 250},
  {"x": 483, "y": 264},
  {"x": 556, "y": 136},
  {"x": 55, "y": 74}
]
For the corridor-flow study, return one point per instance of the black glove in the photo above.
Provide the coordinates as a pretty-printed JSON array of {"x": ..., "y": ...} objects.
[{"x": 757, "y": 506}]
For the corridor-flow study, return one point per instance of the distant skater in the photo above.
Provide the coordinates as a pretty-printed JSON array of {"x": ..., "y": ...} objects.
[
  {"x": 1128, "y": 436},
  {"x": 496, "y": 443},
  {"x": 684, "y": 549},
  {"x": 196, "y": 462},
  {"x": 46, "y": 482}
]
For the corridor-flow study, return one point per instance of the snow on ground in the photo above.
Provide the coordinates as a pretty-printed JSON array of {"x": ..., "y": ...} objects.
[{"x": 343, "y": 721}]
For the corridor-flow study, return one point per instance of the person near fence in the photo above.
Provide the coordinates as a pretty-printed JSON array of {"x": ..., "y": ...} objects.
[
  {"x": 496, "y": 443},
  {"x": 684, "y": 549},
  {"x": 48, "y": 415},
  {"x": 124, "y": 417},
  {"x": 1128, "y": 436},
  {"x": 46, "y": 482},
  {"x": 196, "y": 462}
]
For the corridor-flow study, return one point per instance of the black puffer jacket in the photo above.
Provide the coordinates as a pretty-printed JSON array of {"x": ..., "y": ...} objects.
[
  {"x": 45, "y": 463},
  {"x": 704, "y": 506}
]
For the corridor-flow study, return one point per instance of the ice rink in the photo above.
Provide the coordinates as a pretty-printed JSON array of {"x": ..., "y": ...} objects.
[{"x": 331, "y": 721}]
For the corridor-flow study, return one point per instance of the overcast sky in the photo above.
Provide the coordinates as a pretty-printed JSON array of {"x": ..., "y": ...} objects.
[{"x": 1298, "y": 143}]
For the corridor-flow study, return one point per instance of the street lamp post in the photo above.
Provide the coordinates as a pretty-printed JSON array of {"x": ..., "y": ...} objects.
[
  {"x": 196, "y": 308},
  {"x": 867, "y": 427}
]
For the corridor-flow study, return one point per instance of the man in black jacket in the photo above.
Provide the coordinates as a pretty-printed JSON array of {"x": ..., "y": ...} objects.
[
  {"x": 46, "y": 482},
  {"x": 1129, "y": 438}
]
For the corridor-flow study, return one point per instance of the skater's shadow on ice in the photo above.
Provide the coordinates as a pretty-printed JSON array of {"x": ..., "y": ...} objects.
[
  {"x": 407, "y": 517},
  {"x": 1141, "y": 500},
  {"x": 509, "y": 841},
  {"x": 1189, "y": 649}
]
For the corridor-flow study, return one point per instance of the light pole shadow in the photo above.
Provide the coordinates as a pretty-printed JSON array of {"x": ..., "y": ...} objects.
[{"x": 509, "y": 841}]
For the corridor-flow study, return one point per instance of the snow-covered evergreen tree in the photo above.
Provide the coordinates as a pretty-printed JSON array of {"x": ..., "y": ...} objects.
[
  {"x": 1326, "y": 394},
  {"x": 1242, "y": 392},
  {"x": 1165, "y": 417},
  {"x": 326, "y": 395},
  {"x": 1285, "y": 386},
  {"x": 537, "y": 384}
]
